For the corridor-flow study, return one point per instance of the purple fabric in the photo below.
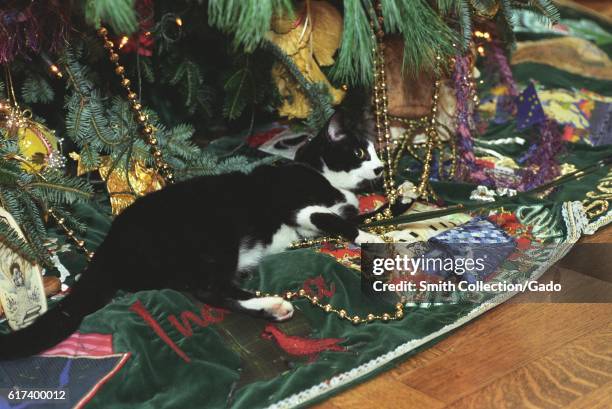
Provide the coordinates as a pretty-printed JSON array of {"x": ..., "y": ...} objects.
[
  {"x": 601, "y": 124},
  {"x": 37, "y": 26},
  {"x": 501, "y": 60},
  {"x": 529, "y": 109},
  {"x": 540, "y": 163},
  {"x": 466, "y": 166}
]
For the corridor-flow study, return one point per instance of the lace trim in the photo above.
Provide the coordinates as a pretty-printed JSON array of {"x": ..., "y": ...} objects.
[{"x": 596, "y": 225}]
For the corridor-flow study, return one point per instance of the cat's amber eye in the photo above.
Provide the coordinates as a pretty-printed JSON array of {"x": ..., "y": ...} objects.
[{"x": 360, "y": 153}]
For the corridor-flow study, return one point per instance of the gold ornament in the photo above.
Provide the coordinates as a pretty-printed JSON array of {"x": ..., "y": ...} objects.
[
  {"x": 38, "y": 144},
  {"x": 310, "y": 41},
  {"x": 124, "y": 187},
  {"x": 485, "y": 10}
]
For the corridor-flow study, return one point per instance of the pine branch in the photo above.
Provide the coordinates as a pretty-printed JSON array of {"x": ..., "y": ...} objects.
[
  {"x": 546, "y": 8},
  {"x": 25, "y": 195},
  {"x": 57, "y": 188},
  {"x": 239, "y": 89},
  {"x": 15, "y": 242},
  {"x": 464, "y": 14},
  {"x": 119, "y": 14},
  {"x": 147, "y": 69},
  {"x": 248, "y": 21},
  {"x": 425, "y": 34},
  {"x": 209, "y": 164},
  {"x": 355, "y": 62},
  {"x": 36, "y": 89}
]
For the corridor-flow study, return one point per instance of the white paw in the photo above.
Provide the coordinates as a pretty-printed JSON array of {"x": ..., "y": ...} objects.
[
  {"x": 365, "y": 237},
  {"x": 276, "y": 307},
  {"x": 281, "y": 310},
  {"x": 407, "y": 192}
]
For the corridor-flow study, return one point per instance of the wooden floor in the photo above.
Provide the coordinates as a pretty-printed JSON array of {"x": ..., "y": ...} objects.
[{"x": 519, "y": 355}]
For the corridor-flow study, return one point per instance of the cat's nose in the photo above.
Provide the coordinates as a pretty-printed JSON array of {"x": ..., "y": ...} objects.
[{"x": 378, "y": 171}]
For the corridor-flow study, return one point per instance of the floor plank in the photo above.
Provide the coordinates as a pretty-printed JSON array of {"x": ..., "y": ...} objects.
[
  {"x": 384, "y": 392},
  {"x": 598, "y": 399},
  {"x": 555, "y": 380},
  {"x": 502, "y": 341}
]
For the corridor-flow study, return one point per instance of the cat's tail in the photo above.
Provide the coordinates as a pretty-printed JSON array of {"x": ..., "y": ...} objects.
[{"x": 87, "y": 295}]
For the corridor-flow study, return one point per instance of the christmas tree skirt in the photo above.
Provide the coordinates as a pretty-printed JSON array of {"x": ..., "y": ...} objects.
[{"x": 159, "y": 349}]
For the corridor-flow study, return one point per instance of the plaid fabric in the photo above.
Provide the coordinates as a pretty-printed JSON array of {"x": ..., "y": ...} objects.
[
  {"x": 476, "y": 231},
  {"x": 477, "y": 239}
]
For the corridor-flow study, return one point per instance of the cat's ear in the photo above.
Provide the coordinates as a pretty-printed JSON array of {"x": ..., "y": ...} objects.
[{"x": 335, "y": 131}]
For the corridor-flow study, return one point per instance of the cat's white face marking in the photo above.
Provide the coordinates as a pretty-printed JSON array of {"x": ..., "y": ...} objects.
[{"x": 351, "y": 179}]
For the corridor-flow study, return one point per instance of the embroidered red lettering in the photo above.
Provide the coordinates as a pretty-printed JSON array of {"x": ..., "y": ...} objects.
[
  {"x": 141, "y": 310},
  {"x": 321, "y": 287},
  {"x": 188, "y": 317}
]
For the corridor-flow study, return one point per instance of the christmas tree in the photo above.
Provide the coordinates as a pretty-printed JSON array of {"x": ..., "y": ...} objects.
[{"x": 127, "y": 94}]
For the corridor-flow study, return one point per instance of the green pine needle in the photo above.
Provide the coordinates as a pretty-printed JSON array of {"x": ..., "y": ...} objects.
[
  {"x": 119, "y": 14},
  {"x": 355, "y": 63},
  {"x": 239, "y": 88},
  {"x": 426, "y": 35},
  {"x": 36, "y": 89},
  {"x": 248, "y": 21},
  {"x": 10, "y": 238}
]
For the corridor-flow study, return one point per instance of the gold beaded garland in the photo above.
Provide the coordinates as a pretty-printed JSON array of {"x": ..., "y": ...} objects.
[
  {"x": 386, "y": 145},
  {"x": 70, "y": 233},
  {"x": 341, "y": 313},
  {"x": 390, "y": 151},
  {"x": 146, "y": 129}
]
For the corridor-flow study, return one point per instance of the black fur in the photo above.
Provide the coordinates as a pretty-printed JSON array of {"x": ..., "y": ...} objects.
[
  {"x": 188, "y": 237},
  {"x": 343, "y": 144}
]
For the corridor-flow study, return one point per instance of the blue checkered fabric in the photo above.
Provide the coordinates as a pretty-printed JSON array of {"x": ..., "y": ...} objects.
[
  {"x": 477, "y": 239},
  {"x": 476, "y": 231}
]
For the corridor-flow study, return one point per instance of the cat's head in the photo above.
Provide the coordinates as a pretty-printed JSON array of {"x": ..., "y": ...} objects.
[{"x": 343, "y": 152}]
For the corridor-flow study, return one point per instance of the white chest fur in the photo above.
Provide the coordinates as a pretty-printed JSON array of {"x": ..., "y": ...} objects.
[
  {"x": 282, "y": 239},
  {"x": 250, "y": 256}
]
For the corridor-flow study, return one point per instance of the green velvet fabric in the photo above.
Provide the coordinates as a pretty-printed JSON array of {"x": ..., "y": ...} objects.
[{"x": 224, "y": 359}]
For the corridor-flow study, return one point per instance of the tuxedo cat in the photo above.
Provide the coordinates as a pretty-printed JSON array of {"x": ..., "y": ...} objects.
[{"x": 196, "y": 236}]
